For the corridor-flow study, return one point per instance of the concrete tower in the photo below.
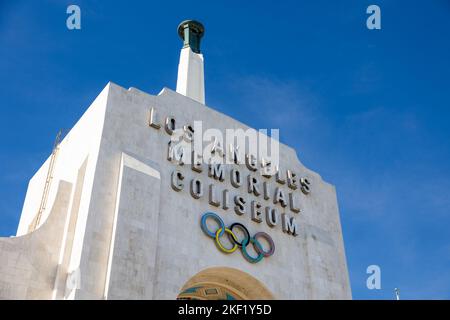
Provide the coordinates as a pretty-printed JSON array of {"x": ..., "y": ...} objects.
[
  {"x": 122, "y": 210},
  {"x": 191, "y": 81}
]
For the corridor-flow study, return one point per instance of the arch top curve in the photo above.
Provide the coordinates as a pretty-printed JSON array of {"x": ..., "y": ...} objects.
[{"x": 224, "y": 283}]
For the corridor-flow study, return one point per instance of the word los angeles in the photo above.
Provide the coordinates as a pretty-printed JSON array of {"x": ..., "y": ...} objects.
[{"x": 274, "y": 195}]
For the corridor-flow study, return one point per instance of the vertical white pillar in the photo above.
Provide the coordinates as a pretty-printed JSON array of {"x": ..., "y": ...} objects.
[{"x": 191, "y": 81}]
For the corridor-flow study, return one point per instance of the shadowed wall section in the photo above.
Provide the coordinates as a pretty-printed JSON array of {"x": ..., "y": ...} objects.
[{"x": 132, "y": 255}]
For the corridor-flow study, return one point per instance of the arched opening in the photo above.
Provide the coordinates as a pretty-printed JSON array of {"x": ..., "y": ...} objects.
[{"x": 223, "y": 283}]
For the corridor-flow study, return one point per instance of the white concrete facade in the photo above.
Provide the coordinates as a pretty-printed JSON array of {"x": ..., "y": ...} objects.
[{"x": 115, "y": 229}]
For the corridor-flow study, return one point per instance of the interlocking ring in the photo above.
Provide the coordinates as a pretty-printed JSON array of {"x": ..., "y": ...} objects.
[
  {"x": 234, "y": 240},
  {"x": 217, "y": 219},
  {"x": 230, "y": 233},
  {"x": 250, "y": 258},
  {"x": 258, "y": 246}
]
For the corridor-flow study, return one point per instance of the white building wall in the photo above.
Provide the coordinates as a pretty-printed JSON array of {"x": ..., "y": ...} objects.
[
  {"x": 43, "y": 250},
  {"x": 313, "y": 263},
  {"x": 82, "y": 140},
  {"x": 126, "y": 234}
]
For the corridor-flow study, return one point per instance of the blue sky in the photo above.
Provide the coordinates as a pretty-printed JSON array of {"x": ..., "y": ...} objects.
[{"x": 367, "y": 109}]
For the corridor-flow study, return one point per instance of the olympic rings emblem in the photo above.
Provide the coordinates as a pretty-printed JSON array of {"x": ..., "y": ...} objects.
[{"x": 235, "y": 241}]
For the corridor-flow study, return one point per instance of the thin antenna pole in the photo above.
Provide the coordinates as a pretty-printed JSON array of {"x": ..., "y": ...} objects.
[{"x": 397, "y": 293}]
